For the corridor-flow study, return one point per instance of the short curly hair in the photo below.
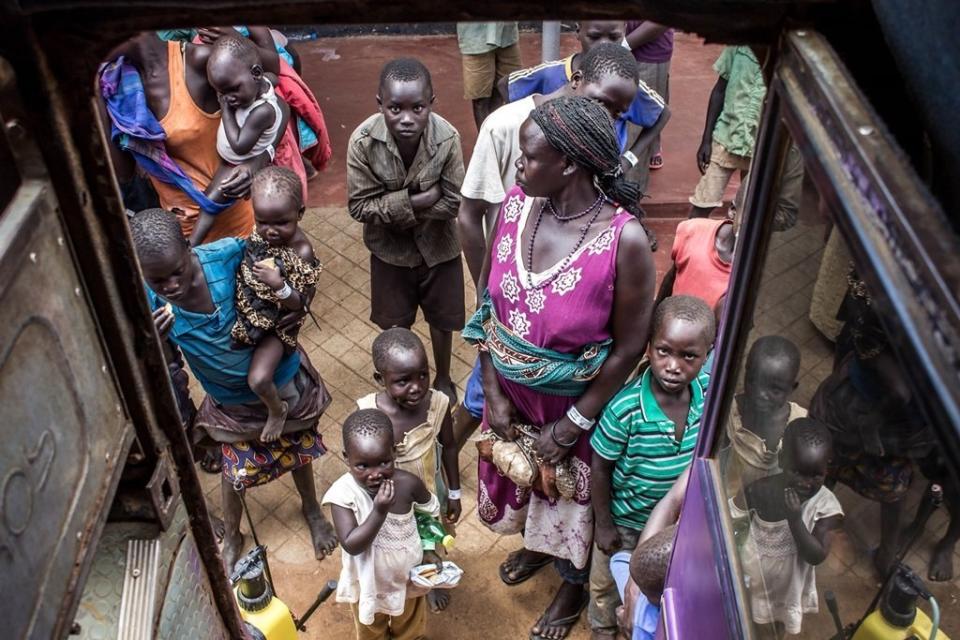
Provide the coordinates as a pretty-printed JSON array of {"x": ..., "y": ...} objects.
[
  {"x": 607, "y": 59},
  {"x": 236, "y": 47},
  {"x": 156, "y": 234},
  {"x": 405, "y": 70},
  {"x": 273, "y": 180},
  {"x": 367, "y": 423},
  {"x": 689, "y": 309},
  {"x": 391, "y": 341}
]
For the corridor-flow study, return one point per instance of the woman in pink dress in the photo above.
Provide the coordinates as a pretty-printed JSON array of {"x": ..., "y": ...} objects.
[{"x": 569, "y": 293}]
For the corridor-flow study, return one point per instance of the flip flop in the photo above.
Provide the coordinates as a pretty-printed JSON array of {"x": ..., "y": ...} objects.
[
  {"x": 656, "y": 161},
  {"x": 567, "y": 622},
  {"x": 211, "y": 462},
  {"x": 524, "y": 571}
]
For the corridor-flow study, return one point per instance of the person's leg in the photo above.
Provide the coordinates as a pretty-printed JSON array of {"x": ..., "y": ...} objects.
[
  {"x": 393, "y": 294},
  {"x": 708, "y": 194},
  {"x": 941, "y": 562},
  {"x": 379, "y": 630},
  {"x": 322, "y": 535},
  {"x": 478, "y": 77},
  {"x": 263, "y": 366},
  {"x": 232, "y": 510},
  {"x": 441, "y": 298},
  {"x": 568, "y": 603},
  {"x": 412, "y": 623},
  {"x": 604, "y": 596},
  {"x": 890, "y": 513},
  {"x": 467, "y": 417}
]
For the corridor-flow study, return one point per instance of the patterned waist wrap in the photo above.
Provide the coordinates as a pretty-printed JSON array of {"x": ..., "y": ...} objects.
[{"x": 544, "y": 370}]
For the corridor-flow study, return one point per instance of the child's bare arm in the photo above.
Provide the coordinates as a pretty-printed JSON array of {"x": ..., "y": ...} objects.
[
  {"x": 451, "y": 464},
  {"x": 356, "y": 538},
  {"x": 201, "y": 228},
  {"x": 714, "y": 107},
  {"x": 811, "y": 547},
  {"x": 649, "y": 133},
  {"x": 243, "y": 139},
  {"x": 667, "y": 511},
  {"x": 606, "y": 536}
]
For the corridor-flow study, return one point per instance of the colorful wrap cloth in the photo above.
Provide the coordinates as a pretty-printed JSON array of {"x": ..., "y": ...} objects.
[
  {"x": 135, "y": 128},
  {"x": 258, "y": 308},
  {"x": 544, "y": 370}
]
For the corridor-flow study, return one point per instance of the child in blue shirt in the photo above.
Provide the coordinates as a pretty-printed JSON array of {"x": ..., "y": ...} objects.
[{"x": 640, "y": 578}]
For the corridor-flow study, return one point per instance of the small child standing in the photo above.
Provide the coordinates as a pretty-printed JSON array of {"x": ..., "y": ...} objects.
[
  {"x": 421, "y": 419},
  {"x": 792, "y": 519},
  {"x": 251, "y": 114},
  {"x": 702, "y": 257},
  {"x": 733, "y": 117},
  {"x": 279, "y": 273},
  {"x": 761, "y": 413},
  {"x": 373, "y": 508},
  {"x": 404, "y": 171},
  {"x": 644, "y": 441}
]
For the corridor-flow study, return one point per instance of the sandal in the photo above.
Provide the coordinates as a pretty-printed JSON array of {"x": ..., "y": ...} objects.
[
  {"x": 567, "y": 622},
  {"x": 212, "y": 461},
  {"x": 656, "y": 161},
  {"x": 523, "y": 571}
]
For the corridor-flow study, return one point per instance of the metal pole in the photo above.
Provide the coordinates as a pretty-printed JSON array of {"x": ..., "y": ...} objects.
[{"x": 550, "y": 44}]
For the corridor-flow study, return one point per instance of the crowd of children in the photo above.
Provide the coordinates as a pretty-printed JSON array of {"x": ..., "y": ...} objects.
[{"x": 234, "y": 308}]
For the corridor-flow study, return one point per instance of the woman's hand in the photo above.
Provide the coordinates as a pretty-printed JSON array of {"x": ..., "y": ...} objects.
[
  {"x": 564, "y": 431},
  {"x": 237, "y": 183},
  {"x": 269, "y": 276},
  {"x": 163, "y": 321},
  {"x": 453, "y": 511},
  {"x": 501, "y": 415},
  {"x": 209, "y": 35}
]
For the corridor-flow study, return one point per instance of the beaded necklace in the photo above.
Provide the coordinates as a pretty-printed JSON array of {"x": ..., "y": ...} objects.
[
  {"x": 569, "y": 257},
  {"x": 561, "y": 218}
]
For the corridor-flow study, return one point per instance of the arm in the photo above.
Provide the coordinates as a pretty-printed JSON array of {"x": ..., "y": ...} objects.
[
  {"x": 503, "y": 88},
  {"x": 447, "y": 189},
  {"x": 666, "y": 286},
  {"x": 201, "y": 228},
  {"x": 647, "y": 32},
  {"x": 237, "y": 183},
  {"x": 266, "y": 48},
  {"x": 451, "y": 464},
  {"x": 470, "y": 230},
  {"x": 812, "y": 546},
  {"x": 243, "y": 139},
  {"x": 651, "y": 132},
  {"x": 368, "y": 200},
  {"x": 714, "y": 107},
  {"x": 632, "y": 309},
  {"x": 357, "y": 538},
  {"x": 606, "y": 535},
  {"x": 667, "y": 511},
  {"x": 271, "y": 277}
]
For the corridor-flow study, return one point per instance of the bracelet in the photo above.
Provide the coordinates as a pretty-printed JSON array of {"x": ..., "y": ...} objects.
[
  {"x": 553, "y": 434},
  {"x": 285, "y": 292},
  {"x": 631, "y": 158},
  {"x": 577, "y": 418},
  {"x": 453, "y": 494}
]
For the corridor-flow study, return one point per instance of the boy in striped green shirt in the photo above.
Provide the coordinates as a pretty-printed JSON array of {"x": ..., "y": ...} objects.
[{"x": 644, "y": 441}]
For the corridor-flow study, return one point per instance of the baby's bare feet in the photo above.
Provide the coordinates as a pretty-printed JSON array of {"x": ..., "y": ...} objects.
[{"x": 274, "y": 425}]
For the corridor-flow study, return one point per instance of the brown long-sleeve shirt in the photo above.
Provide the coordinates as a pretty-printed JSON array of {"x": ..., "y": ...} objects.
[{"x": 378, "y": 196}]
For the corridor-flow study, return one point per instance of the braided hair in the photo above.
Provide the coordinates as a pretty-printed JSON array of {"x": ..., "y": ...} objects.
[{"x": 582, "y": 130}]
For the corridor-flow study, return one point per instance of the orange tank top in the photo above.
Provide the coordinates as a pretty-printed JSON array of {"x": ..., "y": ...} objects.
[{"x": 192, "y": 143}]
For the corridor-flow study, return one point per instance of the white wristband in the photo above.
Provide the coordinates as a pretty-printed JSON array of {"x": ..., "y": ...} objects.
[
  {"x": 577, "y": 418},
  {"x": 453, "y": 494},
  {"x": 631, "y": 158},
  {"x": 284, "y": 293}
]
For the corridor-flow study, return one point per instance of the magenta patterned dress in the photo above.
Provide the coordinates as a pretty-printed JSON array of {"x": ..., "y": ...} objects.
[{"x": 571, "y": 311}]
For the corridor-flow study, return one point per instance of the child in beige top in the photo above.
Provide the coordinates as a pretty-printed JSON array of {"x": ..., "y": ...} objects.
[{"x": 421, "y": 421}]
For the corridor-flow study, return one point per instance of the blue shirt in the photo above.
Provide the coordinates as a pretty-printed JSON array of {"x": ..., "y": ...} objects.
[
  {"x": 204, "y": 338},
  {"x": 646, "y": 615},
  {"x": 546, "y": 78}
]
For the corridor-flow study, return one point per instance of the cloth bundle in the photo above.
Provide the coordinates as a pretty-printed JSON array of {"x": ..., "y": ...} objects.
[{"x": 518, "y": 461}]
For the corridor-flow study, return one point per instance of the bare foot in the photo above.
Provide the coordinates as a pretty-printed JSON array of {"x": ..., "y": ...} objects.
[
  {"x": 274, "y": 426},
  {"x": 232, "y": 548},
  {"x": 321, "y": 533},
  {"x": 562, "y": 614},
  {"x": 941, "y": 562},
  {"x": 438, "y": 599},
  {"x": 446, "y": 386}
]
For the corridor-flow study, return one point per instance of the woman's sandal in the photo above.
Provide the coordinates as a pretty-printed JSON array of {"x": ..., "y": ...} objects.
[
  {"x": 523, "y": 571},
  {"x": 567, "y": 622},
  {"x": 212, "y": 461},
  {"x": 656, "y": 161}
]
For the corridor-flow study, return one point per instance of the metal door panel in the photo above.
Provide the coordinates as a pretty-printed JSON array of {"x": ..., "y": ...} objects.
[{"x": 64, "y": 426}]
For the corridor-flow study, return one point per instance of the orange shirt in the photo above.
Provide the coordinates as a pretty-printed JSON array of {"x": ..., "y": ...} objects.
[
  {"x": 192, "y": 142},
  {"x": 700, "y": 271}
]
